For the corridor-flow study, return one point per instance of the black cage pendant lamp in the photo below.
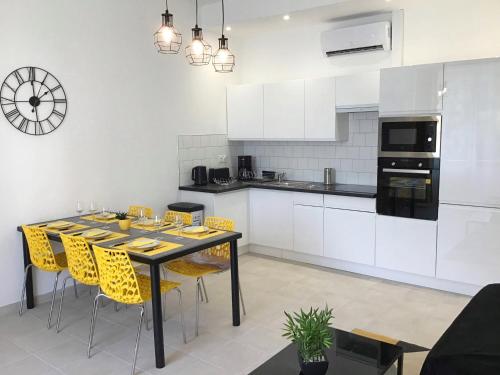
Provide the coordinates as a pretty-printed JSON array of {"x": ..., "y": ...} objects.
[
  {"x": 223, "y": 61},
  {"x": 198, "y": 52},
  {"x": 167, "y": 39}
]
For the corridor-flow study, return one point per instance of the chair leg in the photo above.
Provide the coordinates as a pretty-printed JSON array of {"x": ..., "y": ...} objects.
[
  {"x": 182, "y": 316},
  {"x": 204, "y": 289},
  {"x": 146, "y": 318},
  {"x": 53, "y": 299},
  {"x": 241, "y": 299},
  {"x": 76, "y": 290},
  {"x": 201, "y": 297},
  {"x": 117, "y": 308},
  {"x": 198, "y": 293},
  {"x": 93, "y": 319},
  {"x": 141, "y": 316},
  {"x": 23, "y": 292},
  {"x": 61, "y": 303}
]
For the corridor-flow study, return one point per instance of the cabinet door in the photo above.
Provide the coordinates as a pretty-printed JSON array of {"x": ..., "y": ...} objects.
[
  {"x": 350, "y": 236},
  {"x": 411, "y": 90},
  {"x": 284, "y": 110},
  {"x": 308, "y": 229},
  {"x": 407, "y": 245},
  {"x": 245, "y": 112},
  {"x": 271, "y": 218},
  {"x": 470, "y": 154},
  {"x": 320, "y": 108},
  {"x": 357, "y": 91},
  {"x": 234, "y": 205},
  {"x": 469, "y": 244}
]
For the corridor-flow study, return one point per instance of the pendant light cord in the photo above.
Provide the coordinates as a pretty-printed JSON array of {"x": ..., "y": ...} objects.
[
  {"x": 196, "y": 13},
  {"x": 223, "y": 18},
  {"x": 166, "y": 5}
]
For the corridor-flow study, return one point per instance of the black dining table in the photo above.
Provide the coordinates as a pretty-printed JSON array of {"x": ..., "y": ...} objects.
[{"x": 154, "y": 261}]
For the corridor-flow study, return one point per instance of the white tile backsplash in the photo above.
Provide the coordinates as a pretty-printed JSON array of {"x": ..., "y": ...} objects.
[{"x": 354, "y": 160}]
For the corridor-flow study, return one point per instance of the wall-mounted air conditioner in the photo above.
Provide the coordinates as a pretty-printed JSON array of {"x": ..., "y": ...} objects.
[{"x": 356, "y": 39}]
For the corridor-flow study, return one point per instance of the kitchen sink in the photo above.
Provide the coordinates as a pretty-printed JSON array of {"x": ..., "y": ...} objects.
[{"x": 286, "y": 183}]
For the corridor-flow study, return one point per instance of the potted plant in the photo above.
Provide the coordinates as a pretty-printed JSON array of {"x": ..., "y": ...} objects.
[
  {"x": 312, "y": 333},
  {"x": 123, "y": 220}
]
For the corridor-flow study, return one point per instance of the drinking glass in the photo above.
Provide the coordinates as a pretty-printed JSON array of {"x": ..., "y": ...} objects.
[
  {"x": 158, "y": 221},
  {"x": 178, "y": 224},
  {"x": 141, "y": 216},
  {"x": 79, "y": 207},
  {"x": 93, "y": 208}
]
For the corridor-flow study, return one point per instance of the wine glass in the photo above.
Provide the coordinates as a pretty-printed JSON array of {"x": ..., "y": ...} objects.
[
  {"x": 93, "y": 208},
  {"x": 79, "y": 207},
  {"x": 157, "y": 221}
]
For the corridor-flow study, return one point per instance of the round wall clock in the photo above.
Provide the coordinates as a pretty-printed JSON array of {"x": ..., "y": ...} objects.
[{"x": 33, "y": 101}]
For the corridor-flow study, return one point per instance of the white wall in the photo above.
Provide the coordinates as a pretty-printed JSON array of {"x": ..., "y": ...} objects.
[
  {"x": 126, "y": 105},
  {"x": 434, "y": 31}
]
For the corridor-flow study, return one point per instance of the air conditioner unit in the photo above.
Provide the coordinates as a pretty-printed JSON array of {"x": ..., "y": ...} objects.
[{"x": 356, "y": 39}]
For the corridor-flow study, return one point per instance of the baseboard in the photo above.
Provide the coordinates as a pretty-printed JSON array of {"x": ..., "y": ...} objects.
[{"x": 402, "y": 277}]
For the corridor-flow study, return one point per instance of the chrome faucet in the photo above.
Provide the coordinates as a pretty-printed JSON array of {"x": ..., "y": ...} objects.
[{"x": 281, "y": 176}]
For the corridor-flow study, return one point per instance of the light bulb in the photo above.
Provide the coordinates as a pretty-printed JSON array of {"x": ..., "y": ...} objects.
[
  {"x": 167, "y": 34},
  {"x": 222, "y": 55},
  {"x": 197, "y": 48}
]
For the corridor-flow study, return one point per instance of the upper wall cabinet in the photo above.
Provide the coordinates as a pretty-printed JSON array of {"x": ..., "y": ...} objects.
[
  {"x": 245, "y": 112},
  {"x": 321, "y": 120},
  {"x": 411, "y": 90},
  {"x": 284, "y": 110},
  {"x": 357, "y": 93}
]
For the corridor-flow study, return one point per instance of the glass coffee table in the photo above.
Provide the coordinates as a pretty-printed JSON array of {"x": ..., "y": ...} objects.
[{"x": 350, "y": 354}]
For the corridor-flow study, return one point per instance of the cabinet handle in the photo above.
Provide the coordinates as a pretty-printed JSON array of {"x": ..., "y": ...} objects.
[{"x": 442, "y": 92}]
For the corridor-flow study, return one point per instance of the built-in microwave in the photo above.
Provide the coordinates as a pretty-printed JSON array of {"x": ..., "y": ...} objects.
[{"x": 410, "y": 137}]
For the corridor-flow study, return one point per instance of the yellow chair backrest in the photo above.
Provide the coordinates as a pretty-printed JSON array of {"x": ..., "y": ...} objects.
[
  {"x": 136, "y": 210},
  {"x": 220, "y": 223},
  {"x": 187, "y": 218},
  {"x": 117, "y": 277},
  {"x": 81, "y": 263},
  {"x": 41, "y": 253}
]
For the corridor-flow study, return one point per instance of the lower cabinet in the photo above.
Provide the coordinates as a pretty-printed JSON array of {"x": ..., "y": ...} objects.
[
  {"x": 271, "y": 218},
  {"x": 350, "y": 235},
  {"x": 407, "y": 245},
  {"x": 308, "y": 229},
  {"x": 468, "y": 248}
]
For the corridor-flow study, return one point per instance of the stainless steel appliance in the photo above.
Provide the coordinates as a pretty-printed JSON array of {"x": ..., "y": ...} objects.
[
  {"x": 199, "y": 175},
  {"x": 408, "y": 187},
  {"x": 328, "y": 176},
  {"x": 410, "y": 137}
]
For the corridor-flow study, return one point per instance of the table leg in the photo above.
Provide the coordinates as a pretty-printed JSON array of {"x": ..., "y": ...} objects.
[
  {"x": 157, "y": 315},
  {"x": 30, "y": 301},
  {"x": 400, "y": 364},
  {"x": 234, "y": 283}
]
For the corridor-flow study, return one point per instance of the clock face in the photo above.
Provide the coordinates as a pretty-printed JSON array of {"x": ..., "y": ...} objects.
[{"x": 33, "y": 101}]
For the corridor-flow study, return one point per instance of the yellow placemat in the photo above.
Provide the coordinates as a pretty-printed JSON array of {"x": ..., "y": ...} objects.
[
  {"x": 175, "y": 232},
  {"x": 113, "y": 236},
  {"x": 150, "y": 228},
  {"x": 70, "y": 229},
  {"x": 93, "y": 218},
  {"x": 163, "y": 247}
]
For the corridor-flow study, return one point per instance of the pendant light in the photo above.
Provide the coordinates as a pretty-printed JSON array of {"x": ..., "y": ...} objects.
[
  {"x": 167, "y": 39},
  {"x": 198, "y": 52},
  {"x": 223, "y": 60}
]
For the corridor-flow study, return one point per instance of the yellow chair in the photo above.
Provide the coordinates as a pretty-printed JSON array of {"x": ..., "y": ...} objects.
[
  {"x": 42, "y": 256},
  {"x": 187, "y": 218},
  {"x": 119, "y": 282},
  {"x": 136, "y": 211},
  {"x": 81, "y": 266},
  {"x": 213, "y": 260}
]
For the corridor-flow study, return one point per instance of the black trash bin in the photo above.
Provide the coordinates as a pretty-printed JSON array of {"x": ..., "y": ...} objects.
[{"x": 195, "y": 209}]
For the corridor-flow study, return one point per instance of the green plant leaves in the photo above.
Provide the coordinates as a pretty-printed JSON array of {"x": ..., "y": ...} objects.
[{"x": 310, "y": 331}]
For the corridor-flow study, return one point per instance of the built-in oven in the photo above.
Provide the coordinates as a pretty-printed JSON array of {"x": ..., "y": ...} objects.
[
  {"x": 410, "y": 137},
  {"x": 408, "y": 187}
]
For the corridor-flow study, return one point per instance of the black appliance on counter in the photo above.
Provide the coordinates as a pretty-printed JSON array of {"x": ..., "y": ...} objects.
[
  {"x": 408, "y": 167},
  {"x": 245, "y": 169},
  {"x": 218, "y": 174},
  {"x": 199, "y": 175}
]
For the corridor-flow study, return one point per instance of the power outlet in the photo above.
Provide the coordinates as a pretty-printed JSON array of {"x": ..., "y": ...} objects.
[{"x": 221, "y": 158}]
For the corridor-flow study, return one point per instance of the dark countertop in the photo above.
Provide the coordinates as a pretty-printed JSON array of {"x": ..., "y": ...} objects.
[{"x": 361, "y": 191}]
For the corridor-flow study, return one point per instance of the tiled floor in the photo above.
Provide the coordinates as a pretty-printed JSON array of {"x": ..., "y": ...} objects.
[{"x": 409, "y": 313}]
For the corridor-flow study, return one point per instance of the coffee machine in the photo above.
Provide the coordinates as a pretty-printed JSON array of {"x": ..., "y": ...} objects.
[{"x": 245, "y": 170}]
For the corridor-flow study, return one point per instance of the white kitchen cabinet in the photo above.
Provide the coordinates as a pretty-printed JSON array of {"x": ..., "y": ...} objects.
[
  {"x": 470, "y": 154},
  {"x": 411, "y": 90},
  {"x": 321, "y": 119},
  {"x": 407, "y": 245},
  {"x": 284, "y": 110},
  {"x": 245, "y": 111},
  {"x": 349, "y": 235},
  {"x": 271, "y": 218},
  {"x": 350, "y": 203},
  {"x": 358, "y": 92},
  {"x": 308, "y": 229},
  {"x": 468, "y": 248}
]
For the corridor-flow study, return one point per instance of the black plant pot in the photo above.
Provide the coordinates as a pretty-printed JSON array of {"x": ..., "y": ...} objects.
[{"x": 314, "y": 368}]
